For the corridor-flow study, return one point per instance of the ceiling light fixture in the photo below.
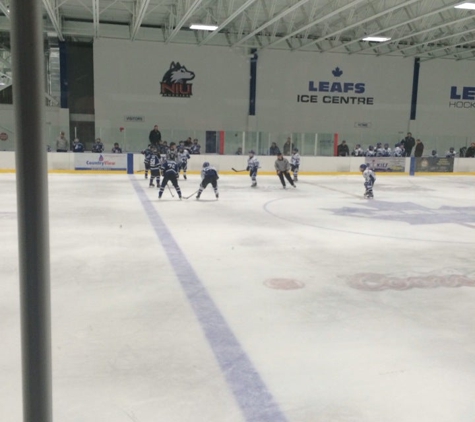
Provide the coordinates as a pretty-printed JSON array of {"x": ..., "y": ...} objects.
[
  {"x": 466, "y": 5},
  {"x": 376, "y": 39},
  {"x": 201, "y": 27}
]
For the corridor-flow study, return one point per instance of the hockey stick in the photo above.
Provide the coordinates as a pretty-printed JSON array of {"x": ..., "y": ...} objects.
[
  {"x": 189, "y": 196},
  {"x": 171, "y": 193},
  {"x": 237, "y": 171}
]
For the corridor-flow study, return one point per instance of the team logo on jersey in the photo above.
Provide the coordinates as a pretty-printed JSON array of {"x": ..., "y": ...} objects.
[
  {"x": 411, "y": 213},
  {"x": 175, "y": 82},
  {"x": 336, "y": 91}
]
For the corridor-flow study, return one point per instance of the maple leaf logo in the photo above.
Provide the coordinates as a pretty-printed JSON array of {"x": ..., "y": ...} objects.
[{"x": 337, "y": 72}]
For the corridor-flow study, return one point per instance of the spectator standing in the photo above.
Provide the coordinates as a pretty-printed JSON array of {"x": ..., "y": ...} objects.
[
  {"x": 470, "y": 153},
  {"x": 419, "y": 150},
  {"x": 195, "y": 147},
  {"x": 155, "y": 136},
  {"x": 62, "y": 144},
  {"x": 343, "y": 150},
  {"x": 274, "y": 149},
  {"x": 78, "y": 146},
  {"x": 409, "y": 143},
  {"x": 117, "y": 149},
  {"x": 288, "y": 146}
]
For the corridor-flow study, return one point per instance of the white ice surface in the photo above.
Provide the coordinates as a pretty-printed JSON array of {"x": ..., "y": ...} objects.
[{"x": 127, "y": 345}]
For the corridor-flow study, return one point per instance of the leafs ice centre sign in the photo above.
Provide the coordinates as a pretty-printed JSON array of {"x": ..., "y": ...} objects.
[
  {"x": 462, "y": 97},
  {"x": 336, "y": 92}
]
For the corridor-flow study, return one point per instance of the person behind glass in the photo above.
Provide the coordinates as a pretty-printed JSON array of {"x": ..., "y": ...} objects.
[
  {"x": 195, "y": 147},
  {"x": 274, "y": 149},
  {"x": 282, "y": 168},
  {"x": 358, "y": 151},
  {"x": 78, "y": 146},
  {"x": 343, "y": 150},
  {"x": 239, "y": 151},
  {"x": 470, "y": 152},
  {"x": 419, "y": 150},
  {"x": 288, "y": 146},
  {"x": 408, "y": 143},
  {"x": 117, "y": 149},
  {"x": 451, "y": 153},
  {"x": 155, "y": 136},
  {"x": 62, "y": 144},
  {"x": 98, "y": 146},
  {"x": 188, "y": 142}
]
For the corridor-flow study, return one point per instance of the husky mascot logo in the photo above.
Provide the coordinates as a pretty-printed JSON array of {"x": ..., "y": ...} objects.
[{"x": 174, "y": 82}]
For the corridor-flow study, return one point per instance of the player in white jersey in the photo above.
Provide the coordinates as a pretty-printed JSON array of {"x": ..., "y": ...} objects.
[
  {"x": 370, "y": 152},
  {"x": 386, "y": 151},
  {"x": 183, "y": 157},
  {"x": 252, "y": 167},
  {"x": 358, "y": 151},
  {"x": 398, "y": 151},
  {"x": 295, "y": 164},
  {"x": 451, "y": 153},
  {"x": 369, "y": 179}
]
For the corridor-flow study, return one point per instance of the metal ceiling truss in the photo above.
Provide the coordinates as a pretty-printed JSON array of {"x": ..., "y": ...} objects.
[
  {"x": 53, "y": 14},
  {"x": 95, "y": 17},
  {"x": 141, "y": 7},
  {"x": 187, "y": 15},
  {"x": 4, "y": 9}
]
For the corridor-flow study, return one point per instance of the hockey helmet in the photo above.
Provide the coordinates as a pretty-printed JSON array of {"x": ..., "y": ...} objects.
[
  {"x": 295, "y": 150},
  {"x": 205, "y": 164},
  {"x": 363, "y": 167}
]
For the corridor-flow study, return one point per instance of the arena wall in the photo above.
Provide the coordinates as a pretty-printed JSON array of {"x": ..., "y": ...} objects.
[{"x": 225, "y": 163}]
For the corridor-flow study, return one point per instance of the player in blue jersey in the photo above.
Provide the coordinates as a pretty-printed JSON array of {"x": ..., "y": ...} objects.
[
  {"x": 170, "y": 171},
  {"x": 154, "y": 163},
  {"x": 369, "y": 179},
  {"x": 295, "y": 164},
  {"x": 183, "y": 157},
  {"x": 78, "y": 146},
  {"x": 147, "y": 153},
  {"x": 208, "y": 175},
  {"x": 252, "y": 167},
  {"x": 98, "y": 146}
]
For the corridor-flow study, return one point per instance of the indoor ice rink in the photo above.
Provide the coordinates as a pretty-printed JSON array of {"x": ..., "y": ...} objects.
[{"x": 303, "y": 305}]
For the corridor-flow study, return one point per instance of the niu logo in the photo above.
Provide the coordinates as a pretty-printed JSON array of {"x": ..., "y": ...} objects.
[{"x": 175, "y": 82}]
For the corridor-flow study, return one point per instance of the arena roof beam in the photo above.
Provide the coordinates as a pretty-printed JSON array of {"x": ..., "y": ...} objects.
[
  {"x": 4, "y": 9},
  {"x": 316, "y": 22},
  {"x": 359, "y": 23},
  {"x": 433, "y": 40},
  {"x": 469, "y": 31},
  {"x": 53, "y": 14},
  {"x": 451, "y": 53},
  {"x": 413, "y": 34},
  {"x": 391, "y": 28},
  {"x": 140, "y": 11},
  {"x": 271, "y": 21},
  {"x": 95, "y": 17},
  {"x": 233, "y": 16},
  {"x": 183, "y": 20}
]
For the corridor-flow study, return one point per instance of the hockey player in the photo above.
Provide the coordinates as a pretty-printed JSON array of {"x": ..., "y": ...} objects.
[
  {"x": 170, "y": 174},
  {"x": 386, "y": 151},
  {"x": 434, "y": 154},
  {"x": 282, "y": 167},
  {"x": 451, "y": 153},
  {"x": 399, "y": 150},
  {"x": 78, "y": 146},
  {"x": 154, "y": 163},
  {"x": 295, "y": 164},
  {"x": 147, "y": 153},
  {"x": 183, "y": 156},
  {"x": 357, "y": 152},
  {"x": 379, "y": 150},
  {"x": 252, "y": 167},
  {"x": 370, "y": 152},
  {"x": 208, "y": 175},
  {"x": 369, "y": 178},
  {"x": 172, "y": 150},
  {"x": 117, "y": 149},
  {"x": 98, "y": 146}
]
